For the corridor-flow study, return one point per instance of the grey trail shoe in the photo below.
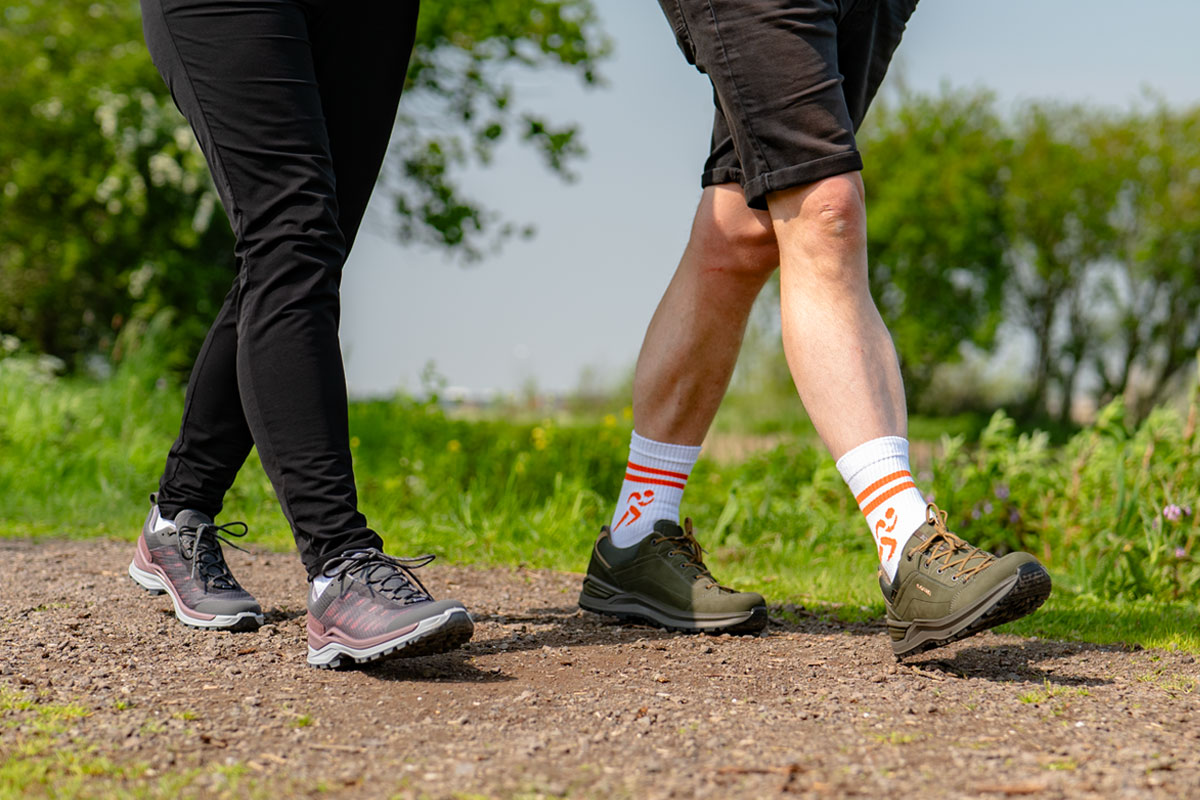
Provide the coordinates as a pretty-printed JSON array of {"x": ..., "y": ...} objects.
[
  {"x": 662, "y": 581},
  {"x": 946, "y": 589},
  {"x": 375, "y": 607},
  {"x": 184, "y": 559}
]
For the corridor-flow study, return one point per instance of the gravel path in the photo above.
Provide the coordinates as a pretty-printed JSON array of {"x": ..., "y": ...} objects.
[{"x": 550, "y": 701}]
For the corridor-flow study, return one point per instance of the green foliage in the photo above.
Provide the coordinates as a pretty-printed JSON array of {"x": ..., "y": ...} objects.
[
  {"x": 41, "y": 756},
  {"x": 987, "y": 486},
  {"x": 1059, "y": 197},
  {"x": 1151, "y": 289},
  {"x": 534, "y": 491},
  {"x": 107, "y": 211},
  {"x": 1112, "y": 512},
  {"x": 465, "y": 69},
  {"x": 1114, "y": 509},
  {"x": 1074, "y": 225},
  {"x": 935, "y": 199}
]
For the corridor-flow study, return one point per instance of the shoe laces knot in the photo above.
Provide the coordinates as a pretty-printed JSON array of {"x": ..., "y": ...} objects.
[
  {"x": 686, "y": 545},
  {"x": 950, "y": 549},
  {"x": 201, "y": 546},
  {"x": 389, "y": 576}
]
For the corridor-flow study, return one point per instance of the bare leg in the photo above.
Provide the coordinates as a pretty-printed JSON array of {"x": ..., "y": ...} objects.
[
  {"x": 696, "y": 333},
  {"x": 840, "y": 353}
]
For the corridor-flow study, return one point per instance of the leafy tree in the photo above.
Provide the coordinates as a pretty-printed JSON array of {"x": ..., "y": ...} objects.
[
  {"x": 1059, "y": 197},
  {"x": 1076, "y": 226},
  {"x": 935, "y": 205},
  {"x": 105, "y": 204},
  {"x": 1104, "y": 227},
  {"x": 460, "y": 104},
  {"x": 1151, "y": 285},
  {"x": 107, "y": 213}
]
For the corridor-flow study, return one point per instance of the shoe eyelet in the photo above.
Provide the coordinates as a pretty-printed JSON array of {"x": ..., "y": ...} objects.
[
  {"x": 954, "y": 578},
  {"x": 940, "y": 571}
]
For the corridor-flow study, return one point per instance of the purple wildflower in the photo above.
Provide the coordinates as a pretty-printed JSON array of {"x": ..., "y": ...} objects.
[
  {"x": 1173, "y": 512},
  {"x": 1002, "y": 491},
  {"x": 1180, "y": 552},
  {"x": 930, "y": 497},
  {"x": 1014, "y": 516},
  {"x": 987, "y": 508}
]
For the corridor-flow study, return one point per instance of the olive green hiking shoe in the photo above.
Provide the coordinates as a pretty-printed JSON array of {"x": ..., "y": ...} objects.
[
  {"x": 662, "y": 581},
  {"x": 946, "y": 589}
]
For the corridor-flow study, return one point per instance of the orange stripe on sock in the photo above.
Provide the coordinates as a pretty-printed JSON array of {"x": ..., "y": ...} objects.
[
  {"x": 865, "y": 493},
  {"x": 889, "y": 493},
  {"x": 629, "y": 476},
  {"x": 640, "y": 468}
]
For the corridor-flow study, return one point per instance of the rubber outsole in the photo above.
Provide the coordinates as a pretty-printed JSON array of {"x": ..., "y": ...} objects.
[
  {"x": 1026, "y": 595},
  {"x": 242, "y": 622},
  {"x": 453, "y": 632},
  {"x": 630, "y": 607}
]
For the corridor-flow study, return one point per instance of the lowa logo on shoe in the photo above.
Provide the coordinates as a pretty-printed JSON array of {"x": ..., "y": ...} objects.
[{"x": 923, "y": 589}]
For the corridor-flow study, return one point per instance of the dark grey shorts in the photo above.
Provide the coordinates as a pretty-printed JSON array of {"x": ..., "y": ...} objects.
[{"x": 792, "y": 80}]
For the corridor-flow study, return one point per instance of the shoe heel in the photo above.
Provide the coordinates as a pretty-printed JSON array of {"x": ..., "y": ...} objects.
[
  {"x": 897, "y": 629},
  {"x": 337, "y": 663},
  {"x": 593, "y": 588},
  {"x": 148, "y": 590}
]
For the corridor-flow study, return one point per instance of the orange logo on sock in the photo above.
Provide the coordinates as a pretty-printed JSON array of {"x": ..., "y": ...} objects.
[
  {"x": 636, "y": 499},
  {"x": 881, "y": 526}
]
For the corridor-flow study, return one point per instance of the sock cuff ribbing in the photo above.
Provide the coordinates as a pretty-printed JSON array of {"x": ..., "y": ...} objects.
[
  {"x": 662, "y": 451},
  {"x": 872, "y": 452}
]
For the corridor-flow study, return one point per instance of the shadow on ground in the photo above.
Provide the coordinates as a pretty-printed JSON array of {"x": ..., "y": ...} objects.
[{"x": 1005, "y": 662}]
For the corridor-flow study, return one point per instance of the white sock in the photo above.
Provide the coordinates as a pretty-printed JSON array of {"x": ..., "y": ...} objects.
[
  {"x": 160, "y": 523},
  {"x": 319, "y": 584},
  {"x": 654, "y": 481},
  {"x": 878, "y": 474}
]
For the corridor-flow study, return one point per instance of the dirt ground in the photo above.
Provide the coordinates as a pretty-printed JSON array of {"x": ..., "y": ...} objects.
[{"x": 550, "y": 701}]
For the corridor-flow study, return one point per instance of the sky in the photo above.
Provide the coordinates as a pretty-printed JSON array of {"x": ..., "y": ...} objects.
[{"x": 578, "y": 296}]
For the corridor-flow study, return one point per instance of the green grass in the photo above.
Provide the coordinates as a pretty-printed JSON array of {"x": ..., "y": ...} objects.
[
  {"x": 41, "y": 757},
  {"x": 78, "y": 459}
]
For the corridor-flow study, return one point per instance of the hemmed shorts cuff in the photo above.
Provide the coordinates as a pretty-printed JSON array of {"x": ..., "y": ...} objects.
[
  {"x": 790, "y": 177},
  {"x": 721, "y": 175}
]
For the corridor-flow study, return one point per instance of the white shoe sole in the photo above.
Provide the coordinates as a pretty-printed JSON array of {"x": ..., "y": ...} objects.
[{"x": 155, "y": 584}]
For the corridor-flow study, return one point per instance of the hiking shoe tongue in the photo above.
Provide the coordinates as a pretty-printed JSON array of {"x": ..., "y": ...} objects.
[
  {"x": 663, "y": 581},
  {"x": 200, "y": 543},
  {"x": 184, "y": 559},
  {"x": 946, "y": 589},
  {"x": 376, "y": 607}
]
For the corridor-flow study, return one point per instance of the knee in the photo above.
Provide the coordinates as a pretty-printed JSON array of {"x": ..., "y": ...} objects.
[
  {"x": 834, "y": 211},
  {"x": 303, "y": 256},
  {"x": 736, "y": 242}
]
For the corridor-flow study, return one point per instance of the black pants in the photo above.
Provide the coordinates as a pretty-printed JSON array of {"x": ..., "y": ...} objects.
[{"x": 293, "y": 103}]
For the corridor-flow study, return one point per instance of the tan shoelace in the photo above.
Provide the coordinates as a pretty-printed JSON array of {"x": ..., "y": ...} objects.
[{"x": 945, "y": 545}]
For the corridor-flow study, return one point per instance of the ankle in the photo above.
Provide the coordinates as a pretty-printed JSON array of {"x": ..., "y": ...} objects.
[{"x": 655, "y": 477}]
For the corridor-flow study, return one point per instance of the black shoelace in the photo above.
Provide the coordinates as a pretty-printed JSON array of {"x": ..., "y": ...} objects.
[
  {"x": 390, "y": 576},
  {"x": 201, "y": 545}
]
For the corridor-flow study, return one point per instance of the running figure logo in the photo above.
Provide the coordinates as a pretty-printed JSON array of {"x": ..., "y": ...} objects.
[
  {"x": 881, "y": 527},
  {"x": 641, "y": 499}
]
